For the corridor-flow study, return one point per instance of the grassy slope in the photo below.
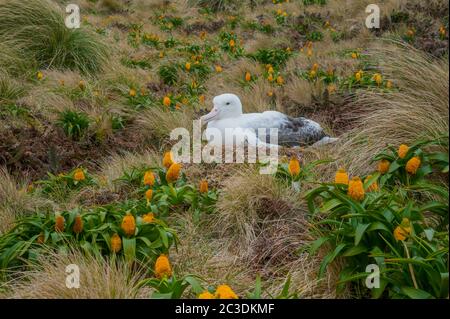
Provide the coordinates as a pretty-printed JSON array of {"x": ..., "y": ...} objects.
[{"x": 258, "y": 224}]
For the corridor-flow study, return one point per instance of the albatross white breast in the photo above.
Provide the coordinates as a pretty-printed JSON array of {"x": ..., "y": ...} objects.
[{"x": 227, "y": 113}]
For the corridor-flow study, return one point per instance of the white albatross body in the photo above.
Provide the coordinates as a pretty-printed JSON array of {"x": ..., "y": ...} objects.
[{"x": 227, "y": 114}]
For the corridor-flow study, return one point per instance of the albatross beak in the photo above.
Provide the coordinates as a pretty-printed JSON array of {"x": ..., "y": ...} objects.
[{"x": 210, "y": 116}]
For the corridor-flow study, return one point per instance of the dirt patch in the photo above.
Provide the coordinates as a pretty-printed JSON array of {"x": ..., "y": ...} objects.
[
  {"x": 210, "y": 27},
  {"x": 31, "y": 153}
]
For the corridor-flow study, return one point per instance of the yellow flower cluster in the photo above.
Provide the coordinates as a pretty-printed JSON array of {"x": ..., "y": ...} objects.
[{"x": 222, "y": 292}]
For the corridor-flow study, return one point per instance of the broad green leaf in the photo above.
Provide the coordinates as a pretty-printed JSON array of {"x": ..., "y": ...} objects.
[
  {"x": 359, "y": 232},
  {"x": 414, "y": 293}
]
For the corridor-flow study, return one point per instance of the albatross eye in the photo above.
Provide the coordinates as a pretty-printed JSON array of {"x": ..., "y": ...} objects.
[{"x": 228, "y": 103}]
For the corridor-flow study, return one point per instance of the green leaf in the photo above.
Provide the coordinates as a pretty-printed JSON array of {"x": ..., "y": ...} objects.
[
  {"x": 315, "y": 245},
  {"x": 414, "y": 293},
  {"x": 329, "y": 258},
  {"x": 378, "y": 226},
  {"x": 444, "y": 285},
  {"x": 359, "y": 232},
  {"x": 355, "y": 250},
  {"x": 195, "y": 284},
  {"x": 129, "y": 248},
  {"x": 164, "y": 238},
  {"x": 329, "y": 205}
]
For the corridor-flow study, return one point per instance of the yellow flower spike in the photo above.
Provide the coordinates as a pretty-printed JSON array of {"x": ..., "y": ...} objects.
[
  {"x": 132, "y": 93},
  {"x": 358, "y": 75},
  {"x": 128, "y": 224},
  {"x": 403, "y": 150},
  {"x": 411, "y": 33},
  {"x": 149, "y": 178},
  {"x": 378, "y": 78},
  {"x": 225, "y": 292},
  {"x": 373, "y": 187},
  {"x": 356, "y": 189},
  {"x": 166, "y": 101},
  {"x": 315, "y": 67},
  {"x": 218, "y": 68},
  {"x": 203, "y": 188},
  {"x": 280, "y": 80},
  {"x": 248, "y": 76},
  {"x": 168, "y": 159},
  {"x": 309, "y": 52},
  {"x": 354, "y": 55},
  {"x": 148, "y": 218},
  {"x": 59, "y": 223},
  {"x": 187, "y": 66},
  {"x": 82, "y": 85},
  {"x": 78, "y": 224},
  {"x": 162, "y": 267},
  {"x": 161, "y": 54},
  {"x": 413, "y": 165},
  {"x": 270, "y": 69},
  {"x": 148, "y": 195},
  {"x": 383, "y": 166},
  {"x": 78, "y": 175},
  {"x": 341, "y": 177},
  {"x": 270, "y": 77},
  {"x": 270, "y": 93},
  {"x": 232, "y": 43},
  {"x": 206, "y": 295},
  {"x": 331, "y": 88},
  {"x": 403, "y": 231},
  {"x": 294, "y": 167},
  {"x": 201, "y": 99},
  {"x": 40, "y": 75},
  {"x": 173, "y": 173},
  {"x": 389, "y": 84},
  {"x": 116, "y": 243}
]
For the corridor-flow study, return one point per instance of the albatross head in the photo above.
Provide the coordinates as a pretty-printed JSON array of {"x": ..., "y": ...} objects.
[{"x": 225, "y": 106}]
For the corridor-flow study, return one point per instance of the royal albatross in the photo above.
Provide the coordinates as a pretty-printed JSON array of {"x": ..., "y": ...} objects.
[{"x": 227, "y": 113}]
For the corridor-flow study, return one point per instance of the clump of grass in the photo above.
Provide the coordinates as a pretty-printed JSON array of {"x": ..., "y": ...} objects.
[
  {"x": 37, "y": 28},
  {"x": 99, "y": 278},
  {"x": 12, "y": 61},
  {"x": 10, "y": 90},
  {"x": 216, "y": 5},
  {"x": 159, "y": 122},
  {"x": 417, "y": 109},
  {"x": 16, "y": 200}
]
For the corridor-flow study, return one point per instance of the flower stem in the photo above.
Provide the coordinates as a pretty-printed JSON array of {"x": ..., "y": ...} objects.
[{"x": 411, "y": 269}]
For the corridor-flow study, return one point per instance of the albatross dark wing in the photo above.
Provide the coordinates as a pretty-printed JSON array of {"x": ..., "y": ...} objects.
[{"x": 299, "y": 132}]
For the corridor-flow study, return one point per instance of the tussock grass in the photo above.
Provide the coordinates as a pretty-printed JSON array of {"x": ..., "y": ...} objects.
[
  {"x": 38, "y": 30},
  {"x": 418, "y": 109},
  {"x": 12, "y": 62},
  {"x": 99, "y": 279},
  {"x": 10, "y": 90},
  {"x": 115, "y": 166},
  {"x": 15, "y": 201},
  {"x": 248, "y": 198},
  {"x": 158, "y": 122}
]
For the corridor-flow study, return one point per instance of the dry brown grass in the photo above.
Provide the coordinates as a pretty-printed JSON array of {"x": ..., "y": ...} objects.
[
  {"x": 99, "y": 279},
  {"x": 16, "y": 201},
  {"x": 419, "y": 109}
]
